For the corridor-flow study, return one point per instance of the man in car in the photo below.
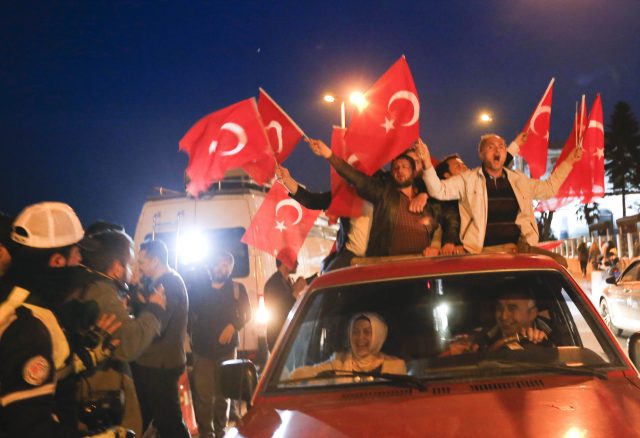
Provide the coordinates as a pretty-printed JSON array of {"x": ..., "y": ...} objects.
[{"x": 517, "y": 320}]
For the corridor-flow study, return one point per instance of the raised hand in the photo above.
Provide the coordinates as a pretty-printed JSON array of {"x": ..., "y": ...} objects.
[{"x": 319, "y": 148}]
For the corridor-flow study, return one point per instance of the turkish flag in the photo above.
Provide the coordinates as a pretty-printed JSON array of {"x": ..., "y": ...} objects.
[
  {"x": 280, "y": 226},
  {"x": 534, "y": 151},
  {"x": 345, "y": 201},
  {"x": 389, "y": 123},
  {"x": 226, "y": 139},
  {"x": 593, "y": 145},
  {"x": 282, "y": 131},
  {"x": 578, "y": 182}
]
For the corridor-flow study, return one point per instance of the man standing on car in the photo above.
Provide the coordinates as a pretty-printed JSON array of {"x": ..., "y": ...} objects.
[
  {"x": 496, "y": 203},
  {"x": 157, "y": 371},
  {"x": 217, "y": 315}
]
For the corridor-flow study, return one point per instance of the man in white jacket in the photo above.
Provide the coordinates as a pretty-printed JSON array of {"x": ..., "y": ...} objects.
[{"x": 496, "y": 203}]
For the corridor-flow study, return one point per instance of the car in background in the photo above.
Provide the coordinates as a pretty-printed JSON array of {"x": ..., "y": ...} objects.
[
  {"x": 577, "y": 383},
  {"x": 619, "y": 301}
]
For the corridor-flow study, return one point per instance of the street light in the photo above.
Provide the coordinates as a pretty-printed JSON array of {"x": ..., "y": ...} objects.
[
  {"x": 356, "y": 98},
  {"x": 486, "y": 118}
]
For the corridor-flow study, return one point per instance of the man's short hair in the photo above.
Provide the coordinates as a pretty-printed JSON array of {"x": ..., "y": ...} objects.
[
  {"x": 443, "y": 165},
  {"x": 222, "y": 255},
  {"x": 106, "y": 247},
  {"x": 404, "y": 156},
  {"x": 486, "y": 137},
  {"x": 518, "y": 292},
  {"x": 100, "y": 226},
  {"x": 156, "y": 249}
]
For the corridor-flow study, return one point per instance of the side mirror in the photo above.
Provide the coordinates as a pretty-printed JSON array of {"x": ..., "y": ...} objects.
[
  {"x": 633, "y": 344},
  {"x": 238, "y": 379},
  {"x": 611, "y": 280}
]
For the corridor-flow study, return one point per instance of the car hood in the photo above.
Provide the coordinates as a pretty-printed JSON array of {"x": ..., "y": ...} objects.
[{"x": 585, "y": 407}]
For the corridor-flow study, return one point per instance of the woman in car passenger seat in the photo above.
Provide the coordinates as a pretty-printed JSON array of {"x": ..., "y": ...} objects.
[{"x": 367, "y": 333}]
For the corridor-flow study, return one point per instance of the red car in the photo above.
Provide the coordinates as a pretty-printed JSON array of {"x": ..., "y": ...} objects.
[{"x": 499, "y": 345}]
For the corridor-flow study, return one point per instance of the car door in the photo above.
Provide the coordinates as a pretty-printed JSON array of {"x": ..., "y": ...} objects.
[{"x": 629, "y": 284}]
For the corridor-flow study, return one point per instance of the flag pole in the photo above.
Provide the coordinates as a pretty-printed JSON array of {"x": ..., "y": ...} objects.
[
  {"x": 583, "y": 113},
  {"x": 575, "y": 126}
]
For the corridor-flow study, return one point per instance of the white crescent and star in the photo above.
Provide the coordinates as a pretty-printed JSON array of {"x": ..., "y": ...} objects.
[
  {"x": 278, "y": 128},
  {"x": 597, "y": 125},
  {"x": 406, "y": 95},
  {"x": 288, "y": 203},
  {"x": 599, "y": 153},
  {"x": 240, "y": 134},
  {"x": 539, "y": 111}
]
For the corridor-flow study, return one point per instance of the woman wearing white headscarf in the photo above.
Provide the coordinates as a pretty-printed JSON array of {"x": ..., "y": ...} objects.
[{"x": 367, "y": 333}]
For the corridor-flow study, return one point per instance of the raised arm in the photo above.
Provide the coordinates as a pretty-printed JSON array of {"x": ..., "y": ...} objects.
[
  {"x": 442, "y": 190},
  {"x": 367, "y": 187},
  {"x": 548, "y": 188},
  {"x": 310, "y": 200}
]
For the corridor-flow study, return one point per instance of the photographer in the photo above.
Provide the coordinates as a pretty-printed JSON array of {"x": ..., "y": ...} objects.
[{"x": 108, "y": 254}]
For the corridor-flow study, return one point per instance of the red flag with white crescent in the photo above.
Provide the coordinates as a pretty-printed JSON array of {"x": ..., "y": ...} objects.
[
  {"x": 534, "y": 151},
  {"x": 389, "y": 122},
  {"x": 280, "y": 226},
  {"x": 593, "y": 145},
  {"x": 345, "y": 202},
  {"x": 580, "y": 182},
  {"x": 226, "y": 139},
  {"x": 282, "y": 131}
]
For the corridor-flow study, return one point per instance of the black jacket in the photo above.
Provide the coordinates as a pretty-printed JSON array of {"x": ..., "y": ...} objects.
[{"x": 384, "y": 196}]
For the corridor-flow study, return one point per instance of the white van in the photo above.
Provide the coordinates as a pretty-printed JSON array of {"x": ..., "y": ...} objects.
[{"x": 195, "y": 228}]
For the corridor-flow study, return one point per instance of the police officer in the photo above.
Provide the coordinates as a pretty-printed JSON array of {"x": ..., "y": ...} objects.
[{"x": 35, "y": 351}]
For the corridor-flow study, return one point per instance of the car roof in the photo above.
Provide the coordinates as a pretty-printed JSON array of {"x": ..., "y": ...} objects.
[{"x": 388, "y": 268}]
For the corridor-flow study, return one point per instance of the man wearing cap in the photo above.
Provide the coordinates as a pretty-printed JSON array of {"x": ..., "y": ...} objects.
[
  {"x": 34, "y": 348},
  {"x": 280, "y": 294}
]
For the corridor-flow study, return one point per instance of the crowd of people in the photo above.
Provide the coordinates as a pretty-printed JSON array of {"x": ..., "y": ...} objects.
[
  {"x": 92, "y": 335},
  {"x": 417, "y": 208}
]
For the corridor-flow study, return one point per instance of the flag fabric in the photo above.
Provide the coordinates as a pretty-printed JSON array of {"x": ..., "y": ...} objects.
[
  {"x": 534, "y": 151},
  {"x": 280, "y": 226},
  {"x": 282, "y": 131},
  {"x": 345, "y": 202},
  {"x": 389, "y": 123},
  {"x": 593, "y": 145},
  {"x": 586, "y": 179},
  {"x": 226, "y": 139}
]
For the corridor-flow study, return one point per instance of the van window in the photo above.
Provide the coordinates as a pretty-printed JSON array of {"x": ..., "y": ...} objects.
[
  {"x": 197, "y": 251},
  {"x": 462, "y": 326}
]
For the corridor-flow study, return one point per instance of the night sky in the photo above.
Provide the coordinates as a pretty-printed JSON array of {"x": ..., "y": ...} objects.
[{"x": 96, "y": 95}]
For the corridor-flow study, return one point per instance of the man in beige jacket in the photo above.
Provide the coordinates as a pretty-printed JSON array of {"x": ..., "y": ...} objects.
[{"x": 496, "y": 203}]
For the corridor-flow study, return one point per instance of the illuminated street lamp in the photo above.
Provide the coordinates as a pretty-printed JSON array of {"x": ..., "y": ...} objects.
[
  {"x": 486, "y": 118},
  {"x": 356, "y": 98}
]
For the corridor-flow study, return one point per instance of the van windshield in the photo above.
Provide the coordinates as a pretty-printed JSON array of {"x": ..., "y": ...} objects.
[
  {"x": 472, "y": 325},
  {"x": 192, "y": 249}
]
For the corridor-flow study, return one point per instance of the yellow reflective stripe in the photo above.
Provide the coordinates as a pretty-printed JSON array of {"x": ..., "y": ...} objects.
[{"x": 47, "y": 389}]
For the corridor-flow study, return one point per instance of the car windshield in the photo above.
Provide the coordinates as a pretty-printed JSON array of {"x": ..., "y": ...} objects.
[{"x": 471, "y": 325}]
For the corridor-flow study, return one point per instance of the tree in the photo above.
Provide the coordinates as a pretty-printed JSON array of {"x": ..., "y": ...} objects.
[
  {"x": 622, "y": 151},
  {"x": 588, "y": 212}
]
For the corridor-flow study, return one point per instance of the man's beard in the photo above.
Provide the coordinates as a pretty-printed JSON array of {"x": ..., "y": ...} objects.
[
  {"x": 219, "y": 277},
  {"x": 403, "y": 184}
]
